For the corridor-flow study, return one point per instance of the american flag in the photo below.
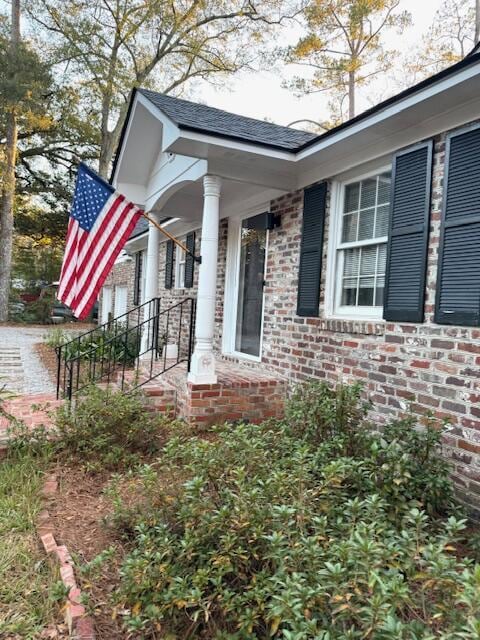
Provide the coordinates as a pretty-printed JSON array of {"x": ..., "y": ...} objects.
[{"x": 100, "y": 223}]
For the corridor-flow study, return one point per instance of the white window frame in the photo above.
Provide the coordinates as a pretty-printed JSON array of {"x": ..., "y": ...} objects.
[
  {"x": 336, "y": 248},
  {"x": 180, "y": 258},
  {"x": 117, "y": 309},
  {"x": 143, "y": 280},
  {"x": 107, "y": 300}
]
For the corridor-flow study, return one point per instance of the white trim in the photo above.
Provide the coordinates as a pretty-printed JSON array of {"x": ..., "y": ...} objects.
[
  {"x": 392, "y": 110},
  {"x": 210, "y": 139},
  {"x": 143, "y": 280},
  {"x": 107, "y": 297},
  {"x": 230, "y": 307},
  {"x": 179, "y": 253},
  {"x": 121, "y": 300},
  {"x": 333, "y": 310}
]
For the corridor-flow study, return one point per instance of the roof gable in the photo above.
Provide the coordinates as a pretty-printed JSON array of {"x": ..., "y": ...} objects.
[{"x": 200, "y": 117}]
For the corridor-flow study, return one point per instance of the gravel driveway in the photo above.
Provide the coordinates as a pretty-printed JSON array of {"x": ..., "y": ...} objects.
[{"x": 20, "y": 367}]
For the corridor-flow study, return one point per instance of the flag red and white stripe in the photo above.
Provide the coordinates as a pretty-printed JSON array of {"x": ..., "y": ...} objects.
[{"x": 94, "y": 240}]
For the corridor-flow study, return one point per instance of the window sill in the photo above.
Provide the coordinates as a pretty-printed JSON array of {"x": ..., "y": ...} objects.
[{"x": 361, "y": 326}]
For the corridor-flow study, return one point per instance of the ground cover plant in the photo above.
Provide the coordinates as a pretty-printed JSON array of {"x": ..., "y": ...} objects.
[
  {"x": 26, "y": 577},
  {"x": 313, "y": 527}
]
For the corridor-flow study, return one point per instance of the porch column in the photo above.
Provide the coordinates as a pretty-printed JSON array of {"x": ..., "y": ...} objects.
[
  {"x": 151, "y": 277},
  {"x": 202, "y": 368}
]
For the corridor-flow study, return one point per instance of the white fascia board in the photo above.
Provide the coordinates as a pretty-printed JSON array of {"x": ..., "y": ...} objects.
[
  {"x": 204, "y": 140},
  {"x": 178, "y": 227},
  {"x": 168, "y": 126},
  {"x": 394, "y": 109},
  {"x": 138, "y": 243},
  {"x": 121, "y": 151}
]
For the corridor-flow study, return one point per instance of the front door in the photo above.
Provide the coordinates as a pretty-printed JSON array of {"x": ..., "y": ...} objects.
[{"x": 251, "y": 276}]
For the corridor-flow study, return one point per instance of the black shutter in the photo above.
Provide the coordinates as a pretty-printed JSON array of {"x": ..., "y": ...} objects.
[
  {"x": 314, "y": 202},
  {"x": 406, "y": 272},
  {"x": 189, "y": 261},
  {"x": 138, "y": 279},
  {"x": 169, "y": 265},
  {"x": 458, "y": 281}
]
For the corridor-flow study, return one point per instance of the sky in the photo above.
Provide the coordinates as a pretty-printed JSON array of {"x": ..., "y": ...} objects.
[{"x": 260, "y": 95}]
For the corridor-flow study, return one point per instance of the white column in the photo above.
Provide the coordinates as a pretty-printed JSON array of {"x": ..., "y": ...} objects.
[
  {"x": 202, "y": 368},
  {"x": 151, "y": 276}
]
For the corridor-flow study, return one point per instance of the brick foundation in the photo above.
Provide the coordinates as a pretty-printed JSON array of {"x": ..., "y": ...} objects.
[{"x": 241, "y": 393}]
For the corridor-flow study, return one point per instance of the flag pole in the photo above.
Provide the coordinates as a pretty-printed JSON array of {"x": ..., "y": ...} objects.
[{"x": 170, "y": 237}]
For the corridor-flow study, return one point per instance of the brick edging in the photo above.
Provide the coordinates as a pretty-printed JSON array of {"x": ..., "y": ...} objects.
[{"x": 80, "y": 626}]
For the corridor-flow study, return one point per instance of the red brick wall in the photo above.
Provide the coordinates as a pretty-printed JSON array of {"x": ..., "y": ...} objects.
[{"x": 427, "y": 367}]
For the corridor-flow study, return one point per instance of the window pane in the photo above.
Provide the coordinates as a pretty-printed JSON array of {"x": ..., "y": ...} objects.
[
  {"x": 382, "y": 259},
  {"x": 367, "y": 221},
  {"x": 349, "y": 292},
  {"x": 366, "y": 291},
  {"x": 369, "y": 260},
  {"x": 352, "y": 193},
  {"x": 379, "y": 291},
  {"x": 350, "y": 223},
  {"x": 351, "y": 260},
  {"x": 381, "y": 225},
  {"x": 384, "y": 182},
  {"x": 369, "y": 193}
]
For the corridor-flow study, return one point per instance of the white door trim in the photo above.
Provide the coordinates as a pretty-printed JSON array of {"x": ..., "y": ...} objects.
[
  {"x": 107, "y": 299},
  {"x": 230, "y": 307}
]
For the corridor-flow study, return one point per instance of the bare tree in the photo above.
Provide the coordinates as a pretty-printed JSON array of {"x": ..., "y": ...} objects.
[
  {"x": 477, "y": 21},
  {"x": 8, "y": 181},
  {"x": 450, "y": 37},
  {"x": 107, "y": 47},
  {"x": 343, "y": 46}
]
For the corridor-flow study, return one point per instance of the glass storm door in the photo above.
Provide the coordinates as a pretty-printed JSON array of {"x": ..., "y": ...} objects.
[{"x": 248, "y": 331}]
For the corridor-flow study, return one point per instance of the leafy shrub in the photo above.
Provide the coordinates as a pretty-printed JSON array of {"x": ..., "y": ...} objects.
[
  {"x": 117, "y": 344},
  {"x": 57, "y": 337},
  {"x": 109, "y": 429},
  {"x": 278, "y": 531},
  {"x": 318, "y": 413}
]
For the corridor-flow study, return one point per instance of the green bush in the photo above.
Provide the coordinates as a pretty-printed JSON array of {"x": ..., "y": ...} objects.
[
  {"x": 57, "y": 337},
  {"x": 109, "y": 430},
  {"x": 282, "y": 531},
  {"x": 117, "y": 344}
]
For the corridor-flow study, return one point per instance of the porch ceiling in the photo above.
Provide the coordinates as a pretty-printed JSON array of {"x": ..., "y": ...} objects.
[{"x": 236, "y": 198}]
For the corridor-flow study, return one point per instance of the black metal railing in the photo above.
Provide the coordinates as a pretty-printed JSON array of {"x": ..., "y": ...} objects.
[{"x": 130, "y": 350}]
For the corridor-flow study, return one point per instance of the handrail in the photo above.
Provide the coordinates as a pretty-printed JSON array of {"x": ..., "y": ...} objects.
[
  {"x": 113, "y": 320},
  {"x": 115, "y": 347}
]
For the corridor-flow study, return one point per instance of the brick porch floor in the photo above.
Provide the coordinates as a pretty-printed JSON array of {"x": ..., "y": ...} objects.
[
  {"x": 34, "y": 410},
  {"x": 241, "y": 393}
]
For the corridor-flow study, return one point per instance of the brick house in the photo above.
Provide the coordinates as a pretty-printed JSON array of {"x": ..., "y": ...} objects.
[{"x": 354, "y": 254}]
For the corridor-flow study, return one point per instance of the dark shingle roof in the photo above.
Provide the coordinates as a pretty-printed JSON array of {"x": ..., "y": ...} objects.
[{"x": 199, "y": 117}]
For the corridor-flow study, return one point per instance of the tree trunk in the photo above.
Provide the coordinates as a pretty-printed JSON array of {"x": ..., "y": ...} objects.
[
  {"x": 8, "y": 184},
  {"x": 477, "y": 22},
  {"x": 351, "y": 94}
]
